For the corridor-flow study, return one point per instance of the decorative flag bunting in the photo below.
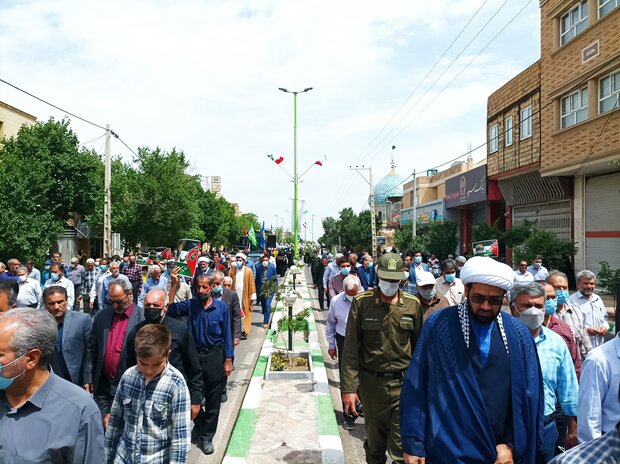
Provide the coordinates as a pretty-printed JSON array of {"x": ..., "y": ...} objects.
[
  {"x": 279, "y": 160},
  {"x": 319, "y": 163},
  {"x": 393, "y": 147}
]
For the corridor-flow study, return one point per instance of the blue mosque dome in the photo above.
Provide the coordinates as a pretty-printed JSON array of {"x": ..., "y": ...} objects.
[{"x": 390, "y": 186}]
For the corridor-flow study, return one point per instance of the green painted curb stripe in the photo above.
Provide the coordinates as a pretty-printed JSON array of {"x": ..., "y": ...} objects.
[
  {"x": 325, "y": 414},
  {"x": 261, "y": 366},
  {"x": 317, "y": 359},
  {"x": 311, "y": 324},
  {"x": 241, "y": 438}
]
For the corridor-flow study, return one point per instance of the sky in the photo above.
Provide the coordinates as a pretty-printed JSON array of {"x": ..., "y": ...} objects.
[{"x": 203, "y": 77}]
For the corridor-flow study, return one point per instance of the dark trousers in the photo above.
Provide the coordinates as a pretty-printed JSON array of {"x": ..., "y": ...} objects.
[
  {"x": 135, "y": 288},
  {"x": 104, "y": 396},
  {"x": 77, "y": 292},
  {"x": 549, "y": 437},
  {"x": 212, "y": 365},
  {"x": 321, "y": 291},
  {"x": 340, "y": 346},
  {"x": 265, "y": 303}
]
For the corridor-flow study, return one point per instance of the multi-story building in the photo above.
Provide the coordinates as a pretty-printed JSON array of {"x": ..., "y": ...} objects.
[
  {"x": 12, "y": 119},
  {"x": 554, "y": 131}
]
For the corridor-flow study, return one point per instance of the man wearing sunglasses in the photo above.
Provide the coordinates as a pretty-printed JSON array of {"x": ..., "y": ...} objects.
[
  {"x": 106, "y": 353},
  {"x": 473, "y": 391}
]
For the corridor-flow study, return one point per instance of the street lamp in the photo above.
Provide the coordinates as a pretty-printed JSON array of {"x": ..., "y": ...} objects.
[{"x": 295, "y": 178}]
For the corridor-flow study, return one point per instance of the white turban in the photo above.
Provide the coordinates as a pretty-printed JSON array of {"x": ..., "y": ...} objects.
[
  {"x": 484, "y": 270},
  {"x": 203, "y": 259},
  {"x": 242, "y": 256}
]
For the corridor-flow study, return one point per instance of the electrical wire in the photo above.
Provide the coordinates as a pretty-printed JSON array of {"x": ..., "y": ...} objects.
[
  {"x": 423, "y": 79},
  {"x": 378, "y": 147}
]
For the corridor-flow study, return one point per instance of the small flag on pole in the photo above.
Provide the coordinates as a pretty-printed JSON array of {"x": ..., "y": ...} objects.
[
  {"x": 393, "y": 147},
  {"x": 279, "y": 160},
  {"x": 319, "y": 163},
  {"x": 262, "y": 236},
  {"x": 252, "y": 236}
]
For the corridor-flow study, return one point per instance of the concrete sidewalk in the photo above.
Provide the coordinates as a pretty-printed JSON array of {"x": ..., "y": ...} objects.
[{"x": 287, "y": 420}]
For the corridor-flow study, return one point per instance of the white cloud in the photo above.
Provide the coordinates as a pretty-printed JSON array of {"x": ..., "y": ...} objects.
[{"x": 203, "y": 77}]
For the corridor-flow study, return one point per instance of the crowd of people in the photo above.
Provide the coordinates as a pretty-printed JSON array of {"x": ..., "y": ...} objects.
[
  {"x": 473, "y": 363},
  {"x": 101, "y": 363},
  {"x": 476, "y": 364}
]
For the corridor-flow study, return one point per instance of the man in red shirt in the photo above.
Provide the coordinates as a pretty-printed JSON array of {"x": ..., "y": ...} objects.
[{"x": 106, "y": 351}]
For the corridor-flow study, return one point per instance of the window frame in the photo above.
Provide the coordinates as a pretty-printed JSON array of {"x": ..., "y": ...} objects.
[
  {"x": 616, "y": 92},
  {"x": 494, "y": 139},
  {"x": 601, "y": 4},
  {"x": 508, "y": 131},
  {"x": 526, "y": 122},
  {"x": 581, "y": 6},
  {"x": 574, "y": 111}
]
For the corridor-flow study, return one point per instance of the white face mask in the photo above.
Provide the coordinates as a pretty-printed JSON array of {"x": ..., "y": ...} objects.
[
  {"x": 532, "y": 317},
  {"x": 388, "y": 288},
  {"x": 406, "y": 275},
  {"x": 22, "y": 278}
]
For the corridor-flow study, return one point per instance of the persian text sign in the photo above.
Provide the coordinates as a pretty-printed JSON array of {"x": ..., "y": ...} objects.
[{"x": 469, "y": 187}]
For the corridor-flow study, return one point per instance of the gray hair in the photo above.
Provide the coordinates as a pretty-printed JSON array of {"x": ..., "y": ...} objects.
[
  {"x": 10, "y": 288},
  {"x": 124, "y": 284},
  {"x": 22, "y": 268},
  {"x": 219, "y": 275},
  {"x": 532, "y": 289},
  {"x": 556, "y": 273},
  {"x": 227, "y": 280},
  {"x": 208, "y": 278},
  {"x": 350, "y": 282},
  {"x": 90, "y": 261},
  {"x": 448, "y": 264},
  {"x": 585, "y": 274},
  {"x": 34, "y": 329},
  {"x": 2, "y": 266},
  {"x": 152, "y": 269}
]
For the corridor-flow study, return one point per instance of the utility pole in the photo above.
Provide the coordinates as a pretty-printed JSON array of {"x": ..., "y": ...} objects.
[
  {"x": 107, "y": 202},
  {"x": 414, "y": 217},
  {"x": 373, "y": 212}
]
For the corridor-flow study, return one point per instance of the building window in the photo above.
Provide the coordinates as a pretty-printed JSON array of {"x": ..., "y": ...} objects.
[
  {"x": 606, "y": 6},
  {"x": 609, "y": 92},
  {"x": 574, "y": 107},
  {"x": 493, "y": 136},
  {"x": 574, "y": 22},
  {"x": 508, "y": 131},
  {"x": 525, "y": 123}
]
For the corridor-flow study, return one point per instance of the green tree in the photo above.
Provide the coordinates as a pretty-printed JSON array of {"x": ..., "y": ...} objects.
[
  {"x": 555, "y": 252},
  {"x": 608, "y": 279},
  {"x": 442, "y": 238},
  {"x": 44, "y": 178},
  {"x": 405, "y": 241}
]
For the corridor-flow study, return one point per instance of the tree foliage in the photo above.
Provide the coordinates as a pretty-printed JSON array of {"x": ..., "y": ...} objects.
[
  {"x": 556, "y": 252},
  {"x": 44, "y": 176},
  {"x": 442, "y": 238},
  {"x": 350, "y": 230},
  {"x": 405, "y": 241},
  {"x": 608, "y": 279}
]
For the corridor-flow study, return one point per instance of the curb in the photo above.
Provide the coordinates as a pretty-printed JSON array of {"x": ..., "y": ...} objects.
[{"x": 330, "y": 443}]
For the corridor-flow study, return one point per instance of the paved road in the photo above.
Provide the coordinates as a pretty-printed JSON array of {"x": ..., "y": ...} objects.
[{"x": 246, "y": 354}]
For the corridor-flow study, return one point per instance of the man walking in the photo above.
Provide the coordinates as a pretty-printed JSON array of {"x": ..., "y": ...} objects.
[
  {"x": 558, "y": 373},
  {"x": 538, "y": 271},
  {"x": 69, "y": 357},
  {"x": 29, "y": 289},
  {"x": 317, "y": 279},
  {"x": 57, "y": 278},
  {"x": 367, "y": 273},
  {"x": 209, "y": 324},
  {"x": 382, "y": 330},
  {"x": 133, "y": 271},
  {"x": 335, "y": 282},
  {"x": 454, "y": 405},
  {"x": 90, "y": 276},
  {"x": 522, "y": 275},
  {"x": 427, "y": 294},
  {"x": 265, "y": 274},
  {"x": 75, "y": 272},
  {"x": 243, "y": 284},
  {"x": 592, "y": 307},
  {"x": 448, "y": 285}
]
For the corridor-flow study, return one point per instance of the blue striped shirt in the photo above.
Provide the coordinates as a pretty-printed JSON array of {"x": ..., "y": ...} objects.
[
  {"x": 558, "y": 373},
  {"x": 149, "y": 422},
  {"x": 603, "y": 450}
]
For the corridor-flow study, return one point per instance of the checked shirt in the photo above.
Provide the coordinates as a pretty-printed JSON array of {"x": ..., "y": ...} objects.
[{"x": 149, "y": 422}]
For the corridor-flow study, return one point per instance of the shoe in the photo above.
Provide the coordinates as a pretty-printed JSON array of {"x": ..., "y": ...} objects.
[
  {"x": 265, "y": 326},
  {"x": 206, "y": 446},
  {"x": 243, "y": 336},
  {"x": 224, "y": 397},
  {"x": 348, "y": 425}
]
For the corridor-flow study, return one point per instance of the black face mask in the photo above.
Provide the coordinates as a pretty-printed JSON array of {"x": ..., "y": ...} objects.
[
  {"x": 204, "y": 296},
  {"x": 153, "y": 315}
]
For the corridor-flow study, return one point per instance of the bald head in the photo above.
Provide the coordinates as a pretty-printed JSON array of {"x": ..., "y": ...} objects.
[{"x": 155, "y": 298}]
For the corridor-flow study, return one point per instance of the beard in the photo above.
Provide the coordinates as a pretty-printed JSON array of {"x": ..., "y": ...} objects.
[{"x": 484, "y": 316}]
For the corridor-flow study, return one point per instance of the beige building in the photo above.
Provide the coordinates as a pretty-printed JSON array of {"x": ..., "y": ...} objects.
[
  {"x": 554, "y": 131},
  {"x": 12, "y": 119}
]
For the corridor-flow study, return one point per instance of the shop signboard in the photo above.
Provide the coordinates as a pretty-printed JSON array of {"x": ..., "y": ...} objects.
[{"x": 470, "y": 187}]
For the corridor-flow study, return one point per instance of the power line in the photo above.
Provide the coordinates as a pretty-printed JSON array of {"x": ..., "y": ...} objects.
[
  {"x": 454, "y": 60},
  {"x": 424, "y": 78},
  {"x": 52, "y": 105}
]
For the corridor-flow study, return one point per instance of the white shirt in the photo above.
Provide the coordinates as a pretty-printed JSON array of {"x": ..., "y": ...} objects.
[
  {"x": 35, "y": 274},
  {"x": 453, "y": 293},
  {"x": 330, "y": 270},
  {"x": 599, "y": 408},
  {"x": 523, "y": 278},
  {"x": 594, "y": 314},
  {"x": 337, "y": 316},
  {"x": 66, "y": 284},
  {"x": 29, "y": 293},
  {"x": 539, "y": 274}
]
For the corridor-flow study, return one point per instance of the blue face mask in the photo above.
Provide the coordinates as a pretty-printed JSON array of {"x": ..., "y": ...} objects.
[
  {"x": 4, "y": 382},
  {"x": 562, "y": 296},
  {"x": 418, "y": 259},
  {"x": 103, "y": 267},
  {"x": 217, "y": 290},
  {"x": 54, "y": 276},
  {"x": 449, "y": 278},
  {"x": 345, "y": 271},
  {"x": 550, "y": 306},
  {"x": 371, "y": 264}
]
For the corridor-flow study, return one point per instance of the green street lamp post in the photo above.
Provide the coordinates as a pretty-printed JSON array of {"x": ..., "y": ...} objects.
[{"x": 295, "y": 177}]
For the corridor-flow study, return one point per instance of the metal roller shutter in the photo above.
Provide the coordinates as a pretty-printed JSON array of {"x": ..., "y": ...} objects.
[
  {"x": 603, "y": 221},
  {"x": 554, "y": 217}
]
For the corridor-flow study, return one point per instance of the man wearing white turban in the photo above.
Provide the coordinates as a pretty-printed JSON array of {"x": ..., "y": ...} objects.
[{"x": 473, "y": 390}]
